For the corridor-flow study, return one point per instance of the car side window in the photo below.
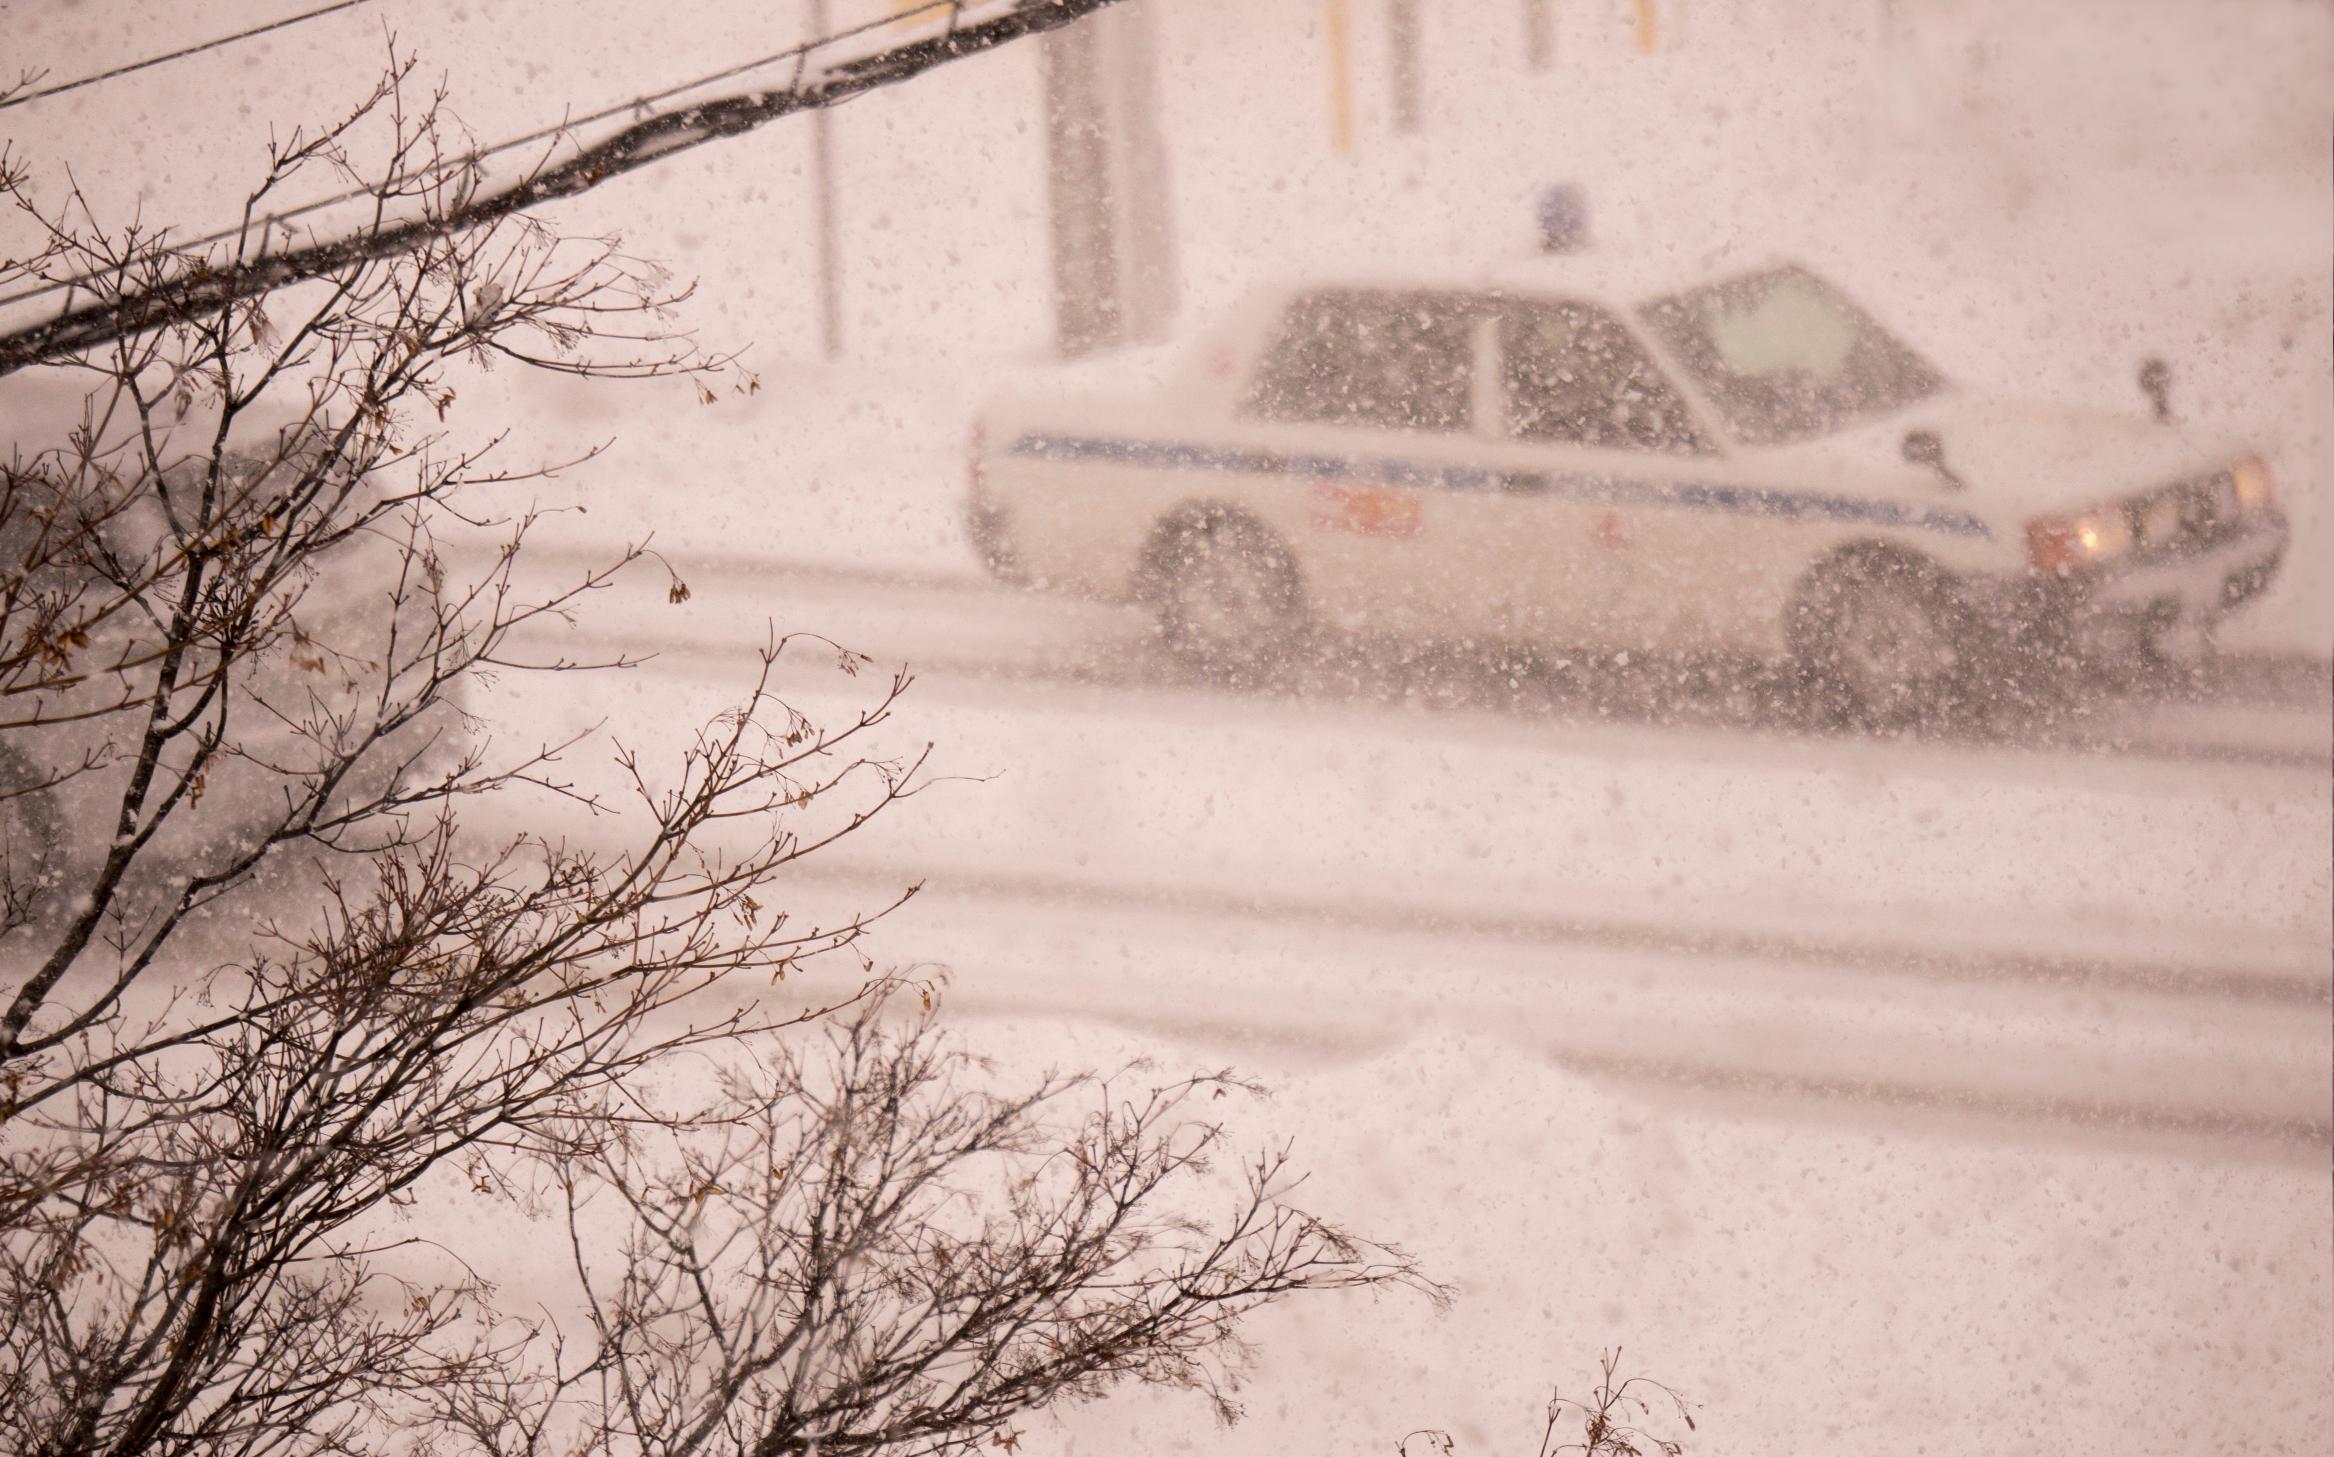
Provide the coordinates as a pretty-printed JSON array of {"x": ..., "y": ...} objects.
[
  {"x": 1398, "y": 361},
  {"x": 1571, "y": 373}
]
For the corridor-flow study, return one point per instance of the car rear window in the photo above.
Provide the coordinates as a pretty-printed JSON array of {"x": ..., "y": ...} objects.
[{"x": 1400, "y": 361}]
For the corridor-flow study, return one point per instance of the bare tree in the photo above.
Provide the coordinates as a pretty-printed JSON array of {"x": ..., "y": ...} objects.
[
  {"x": 1607, "y": 1419},
  {"x": 270, "y": 1015},
  {"x": 874, "y": 1251}
]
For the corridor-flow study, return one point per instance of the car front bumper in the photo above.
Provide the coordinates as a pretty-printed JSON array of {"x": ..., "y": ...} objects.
[{"x": 2162, "y": 607}]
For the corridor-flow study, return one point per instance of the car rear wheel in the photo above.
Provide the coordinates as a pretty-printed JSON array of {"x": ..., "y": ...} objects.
[
  {"x": 1886, "y": 639},
  {"x": 1227, "y": 592}
]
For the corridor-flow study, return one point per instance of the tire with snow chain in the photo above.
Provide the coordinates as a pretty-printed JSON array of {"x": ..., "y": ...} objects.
[
  {"x": 1886, "y": 638},
  {"x": 1229, "y": 600}
]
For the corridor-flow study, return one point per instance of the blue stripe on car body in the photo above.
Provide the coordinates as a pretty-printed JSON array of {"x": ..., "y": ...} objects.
[{"x": 1690, "y": 495}]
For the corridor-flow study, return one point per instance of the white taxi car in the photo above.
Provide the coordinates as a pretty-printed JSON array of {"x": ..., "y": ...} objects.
[{"x": 1745, "y": 463}]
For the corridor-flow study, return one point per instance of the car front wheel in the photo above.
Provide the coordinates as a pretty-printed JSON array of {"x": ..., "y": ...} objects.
[{"x": 1887, "y": 639}]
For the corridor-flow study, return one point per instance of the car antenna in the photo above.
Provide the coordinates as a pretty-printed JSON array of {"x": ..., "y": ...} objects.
[{"x": 1563, "y": 218}]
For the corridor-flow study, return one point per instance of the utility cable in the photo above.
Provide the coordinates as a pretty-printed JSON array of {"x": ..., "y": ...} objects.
[
  {"x": 194, "y": 50},
  {"x": 201, "y": 291},
  {"x": 799, "y": 54}
]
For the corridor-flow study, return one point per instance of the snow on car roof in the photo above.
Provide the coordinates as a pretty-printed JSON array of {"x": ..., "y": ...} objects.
[
  {"x": 1614, "y": 278},
  {"x": 1632, "y": 278}
]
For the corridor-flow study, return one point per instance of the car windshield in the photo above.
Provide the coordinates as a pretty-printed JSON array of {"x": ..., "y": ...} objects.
[{"x": 1783, "y": 356}]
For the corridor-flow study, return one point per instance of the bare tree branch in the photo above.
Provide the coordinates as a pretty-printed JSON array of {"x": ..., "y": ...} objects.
[{"x": 297, "y": 991}]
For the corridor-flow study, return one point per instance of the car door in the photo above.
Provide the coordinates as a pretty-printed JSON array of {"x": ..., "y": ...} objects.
[
  {"x": 1596, "y": 449},
  {"x": 1365, "y": 403}
]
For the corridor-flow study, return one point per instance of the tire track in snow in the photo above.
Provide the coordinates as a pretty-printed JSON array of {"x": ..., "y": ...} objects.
[
  {"x": 2285, "y": 986},
  {"x": 2284, "y": 1137},
  {"x": 956, "y": 631},
  {"x": 2095, "y": 1049}
]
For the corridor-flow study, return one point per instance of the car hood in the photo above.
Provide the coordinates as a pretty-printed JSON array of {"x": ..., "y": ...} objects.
[{"x": 2019, "y": 455}]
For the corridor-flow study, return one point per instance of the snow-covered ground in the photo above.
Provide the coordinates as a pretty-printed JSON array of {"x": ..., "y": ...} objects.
[
  {"x": 1909, "y": 1096},
  {"x": 1896, "y": 886},
  {"x": 1867, "y": 1284},
  {"x": 1919, "y": 1096}
]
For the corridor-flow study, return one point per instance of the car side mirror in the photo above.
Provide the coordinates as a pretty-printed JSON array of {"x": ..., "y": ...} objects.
[
  {"x": 2155, "y": 381},
  {"x": 1923, "y": 448}
]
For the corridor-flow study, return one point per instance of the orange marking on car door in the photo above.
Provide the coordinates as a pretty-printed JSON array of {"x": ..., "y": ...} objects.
[
  {"x": 1368, "y": 510},
  {"x": 1611, "y": 534}
]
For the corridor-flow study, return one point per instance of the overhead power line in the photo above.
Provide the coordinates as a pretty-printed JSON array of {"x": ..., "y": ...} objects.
[
  {"x": 798, "y": 55},
  {"x": 202, "y": 290},
  {"x": 194, "y": 50}
]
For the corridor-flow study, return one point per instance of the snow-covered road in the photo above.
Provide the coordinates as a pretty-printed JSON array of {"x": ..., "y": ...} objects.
[
  {"x": 2118, "y": 928},
  {"x": 1897, "y": 1097},
  {"x": 1907, "y": 1096},
  {"x": 951, "y": 627}
]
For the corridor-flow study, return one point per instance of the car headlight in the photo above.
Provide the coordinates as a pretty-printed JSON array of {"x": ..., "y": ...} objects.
[
  {"x": 2254, "y": 489},
  {"x": 2063, "y": 543}
]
